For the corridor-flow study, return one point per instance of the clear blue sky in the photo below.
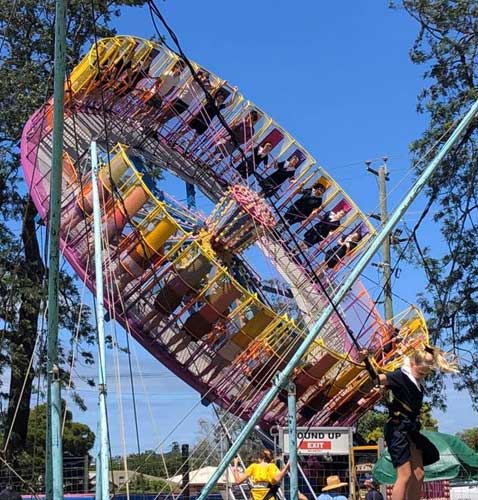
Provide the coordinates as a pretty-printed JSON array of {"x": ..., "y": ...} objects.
[{"x": 338, "y": 77}]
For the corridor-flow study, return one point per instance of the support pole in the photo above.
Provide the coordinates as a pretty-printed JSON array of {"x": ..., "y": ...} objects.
[
  {"x": 293, "y": 469},
  {"x": 185, "y": 466},
  {"x": 386, "y": 263},
  {"x": 228, "y": 437},
  {"x": 54, "y": 450},
  {"x": 102, "y": 464},
  {"x": 306, "y": 480},
  {"x": 281, "y": 379}
]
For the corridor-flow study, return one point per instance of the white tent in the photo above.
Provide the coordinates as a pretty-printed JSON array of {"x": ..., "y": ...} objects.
[{"x": 199, "y": 477}]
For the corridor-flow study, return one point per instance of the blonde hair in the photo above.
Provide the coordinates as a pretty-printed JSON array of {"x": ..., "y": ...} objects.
[{"x": 443, "y": 361}]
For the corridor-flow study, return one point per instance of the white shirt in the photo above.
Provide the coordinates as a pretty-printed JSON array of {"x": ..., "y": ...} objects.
[
  {"x": 288, "y": 166},
  {"x": 407, "y": 370},
  {"x": 191, "y": 91},
  {"x": 260, "y": 152},
  {"x": 334, "y": 217},
  {"x": 168, "y": 82}
]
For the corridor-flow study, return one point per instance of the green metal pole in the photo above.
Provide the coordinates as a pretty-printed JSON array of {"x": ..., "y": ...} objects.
[
  {"x": 293, "y": 469},
  {"x": 281, "y": 379},
  {"x": 54, "y": 455},
  {"x": 102, "y": 464}
]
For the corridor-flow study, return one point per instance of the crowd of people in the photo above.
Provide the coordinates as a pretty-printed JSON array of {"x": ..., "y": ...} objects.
[{"x": 193, "y": 107}]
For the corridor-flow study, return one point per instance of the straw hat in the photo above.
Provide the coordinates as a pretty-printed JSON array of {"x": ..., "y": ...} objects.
[{"x": 333, "y": 482}]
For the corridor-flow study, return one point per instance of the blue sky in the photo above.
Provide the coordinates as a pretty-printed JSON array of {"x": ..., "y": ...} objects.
[{"x": 338, "y": 77}]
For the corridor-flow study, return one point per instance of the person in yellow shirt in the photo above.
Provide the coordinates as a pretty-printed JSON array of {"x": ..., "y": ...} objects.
[{"x": 264, "y": 475}]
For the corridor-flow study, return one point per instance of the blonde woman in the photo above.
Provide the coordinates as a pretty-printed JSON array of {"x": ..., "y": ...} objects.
[{"x": 409, "y": 450}]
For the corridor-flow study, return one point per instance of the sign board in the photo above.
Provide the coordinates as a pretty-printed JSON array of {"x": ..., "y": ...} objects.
[
  {"x": 362, "y": 468},
  {"x": 319, "y": 440}
]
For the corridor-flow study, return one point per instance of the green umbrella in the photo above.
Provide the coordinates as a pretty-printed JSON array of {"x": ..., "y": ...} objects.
[{"x": 456, "y": 459}]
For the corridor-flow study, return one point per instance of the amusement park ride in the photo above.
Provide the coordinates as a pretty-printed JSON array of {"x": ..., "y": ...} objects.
[
  {"x": 183, "y": 284},
  {"x": 302, "y": 347}
]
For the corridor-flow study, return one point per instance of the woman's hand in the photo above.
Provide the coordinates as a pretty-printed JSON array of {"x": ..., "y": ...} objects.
[{"x": 239, "y": 477}]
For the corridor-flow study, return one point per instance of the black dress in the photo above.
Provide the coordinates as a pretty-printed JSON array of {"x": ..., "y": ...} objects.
[
  {"x": 250, "y": 164},
  {"x": 403, "y": 427},
  {"x": 334, "y": 254},
  {"x": 200, "y": 123},
  {"x": 273, "y": 182},
  {"x": 303, "y": 207},
  {"x": 319, "y": 231},
  {"x": 241, "y": 133}
]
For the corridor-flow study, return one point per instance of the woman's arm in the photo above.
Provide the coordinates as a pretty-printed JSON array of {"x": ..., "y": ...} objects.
[
  {"x": 239, "y": 477},
  {"x": 278, "y": 477}
]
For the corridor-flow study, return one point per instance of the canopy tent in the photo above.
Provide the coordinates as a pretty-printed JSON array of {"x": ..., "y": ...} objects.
[
  {"x": 456, "y": 460},
  {"x": 201, "y": 476}
]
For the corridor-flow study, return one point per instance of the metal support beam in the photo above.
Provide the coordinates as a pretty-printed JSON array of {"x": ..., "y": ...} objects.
[
  {"x": 185, "y": 466},
  {"x": 293, "y": 469},
  {"x": 373, "y": 247},
  {"x": 102, "y": 458},
  {"x": 54, "y": 449},
  {"x": 306, "y": 481}
]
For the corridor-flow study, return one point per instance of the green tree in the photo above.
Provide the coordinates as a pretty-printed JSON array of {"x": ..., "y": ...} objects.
[
  {"x": 25, "y": 82},
  {"x": 370, "y": 426},
  {"x": 212, "y": 441},
  {"x": 446, "y": 47},
  {"x": 469, "y": 437},
  {"x": 78, "y": 439},
  {"x": 152, "y": 463},
  {"x": 140, "y": 484},
  {"x": 426, "y": 419}
]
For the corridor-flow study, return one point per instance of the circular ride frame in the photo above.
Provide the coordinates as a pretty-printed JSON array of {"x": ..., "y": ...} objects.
[{"x": 183, "y": 292}]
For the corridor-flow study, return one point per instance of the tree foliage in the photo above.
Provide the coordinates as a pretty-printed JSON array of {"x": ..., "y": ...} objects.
[
  {"x": 213, "y": 441},
  {"x": 370, "y": 425},
  {"x": 427, "y": 421},
  {"x": 152, "y": 463},
  {"x": 78, "y": 439},
  {"x": 142, "y": 484},
  {"x": 26, "y": 64},
  {"x": 446, "y": 47},
  {"x": 210, "y": 445},
  {"x": 469, "y": 437}
]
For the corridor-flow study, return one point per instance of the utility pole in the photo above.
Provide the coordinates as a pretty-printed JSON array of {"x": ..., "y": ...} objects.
[
  {"x": 385, "y": 265},
  {"x": 383, "y": 177},
  {"x": 54, "y": 449},
  {"x": 186, "y": 467}
]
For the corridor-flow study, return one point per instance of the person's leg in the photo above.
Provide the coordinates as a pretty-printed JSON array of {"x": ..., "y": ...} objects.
[
  {"x": 418, "y": 473},
  {"x": 404, "y": 477}
]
